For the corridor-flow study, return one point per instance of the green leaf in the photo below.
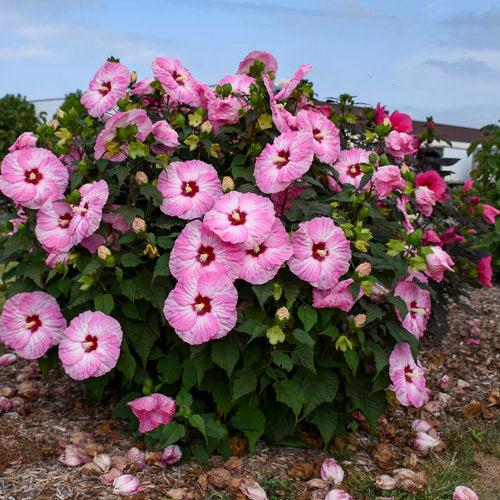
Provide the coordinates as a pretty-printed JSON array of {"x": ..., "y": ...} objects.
[
  {"x": 303, "y": 337},
  {"x": 169, "y": 368},
  {"x": 161, "y": 266},
  {"x": 184, "y": 399},
  {"x": 303, "y": 355},
  {"x": 126, "y": 363},
  {"x": 291, "y": 394},
  {"x": 198, "y": 423},
  {"x": 130, "y": 260},
  {"x": 97, "y": 385},
  {"x": 226, "y": 352},
  {"x": 308, "y": 316},
  {"x": 325, "y": 418},
  {"x": 128, "y": 289},
  {"x": 137, "y": 150},
  {"x": 244, "y": 383},
  {"x": 151, "y": 193},
  {"x": 282, "y": 360},
  {"x": 171, "y": 433},
  {"x": 263, "y": 292},
  {"x": 252, "y": 422},
  {"x": 352, "y": 360},
  {"x": 380, "y": 356},
  {"x": 104, "y": 302},
  {"x": 320, "y": 388}
]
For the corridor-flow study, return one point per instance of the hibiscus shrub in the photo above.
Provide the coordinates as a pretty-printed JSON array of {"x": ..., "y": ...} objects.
[{"x": 227, "y": 260}]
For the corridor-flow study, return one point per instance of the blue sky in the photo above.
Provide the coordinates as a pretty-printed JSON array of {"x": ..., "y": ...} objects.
[{"x": 439, "y": 57}]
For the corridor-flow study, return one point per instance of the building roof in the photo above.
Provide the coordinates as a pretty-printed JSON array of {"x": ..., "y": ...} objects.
[{"x": 452, "y": 133}]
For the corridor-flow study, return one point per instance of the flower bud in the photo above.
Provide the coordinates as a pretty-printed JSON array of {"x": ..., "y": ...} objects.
[
  {"x": 252, "y": 489},
  {"x": 227, "y": 184},
  {"x": 360, "y": 320},
  {"x": 275, "y": 335},
  {"x": 364, "y": 269},
  {"x": 337, "y": 494},
  {"x": 126, "y": 484},
  {"x": 282, "y": 315},
  {"x": 151, "y": 251},
  {"x": 5, "y": 405},
  {"x": 405, "y": 169},
  {"x": 103, "y": 462},
  {"x": 108, "y": 478},
  {"x": 73, "y": 456},
  {"x": 386, "y": 121},
  {"x": 133, "y": 77},
  {"x": 60, "y": 113},
  {"x": 103, "y": 252},
  {"x": 421, "y": 425},
  {"x": 141, "y": 178},
  {"x": 378, "y": 291},
  {"x": 206, "y": 127},
  {"x": 171, "y": 455},
  {"x": 138, "y": 225},
  {"x": 464, "y": 493},
  {"x": 136, "y": 458},
  {"x": 331, "y": 471},
  {"x": 424, "y": 443},
  {"x": 8, "y": 359}
]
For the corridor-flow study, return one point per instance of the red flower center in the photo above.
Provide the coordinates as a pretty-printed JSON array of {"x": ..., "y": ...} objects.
[
  {"x": 90, "y": 343},
  {"x": 237, "y": 217},
  {"x": 282, "y": 159},
  {"x": 33, "y": 176},
  {"x": 354, "y": 170},
  {"x": 189, "y": 188},
  {"x": 206, "y": 255},
  {"x": 408, "y": 373},
  {"x": 202, "y": 305},
  {"x": 105, "y": 88},
  {"x": 64, "y": 220},
  {"x": 33, "y": 323},
  {"x": 412, "y": 308},
  {"x": 319, "y": 251},
  {"x": 318, "y": 134},
  {"x": 178, "y": 77},
  {"x": 257, "y": 250}
]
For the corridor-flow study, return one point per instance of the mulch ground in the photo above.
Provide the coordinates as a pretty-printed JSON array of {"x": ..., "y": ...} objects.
[{"x": 48, "y": 415}]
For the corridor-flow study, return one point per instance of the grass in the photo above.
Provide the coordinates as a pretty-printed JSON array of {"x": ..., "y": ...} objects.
[{"x": 277, "y": 489}]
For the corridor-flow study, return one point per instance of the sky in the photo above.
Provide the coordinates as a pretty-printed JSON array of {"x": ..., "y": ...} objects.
[{"x": 423, "y": 57}]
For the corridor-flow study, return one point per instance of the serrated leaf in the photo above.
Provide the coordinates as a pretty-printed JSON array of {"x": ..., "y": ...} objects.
[
  {"x": 252, "y": 422},
  {"x": 244, "y": 383},
  {"x": 226, "y": 352},
  {"x": 291, "y": 394},
  {"x": 325, "y": 418},
  {"x": 320, "y": 388},
  {"x": 104, "y": 302},
  {"x": 308, "y": 316}
]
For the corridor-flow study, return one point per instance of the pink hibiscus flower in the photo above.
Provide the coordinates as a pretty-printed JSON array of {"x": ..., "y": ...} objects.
[
  {"x": 401, "y": 204},
  {"x": 349, "y": 163},
  {"x": 407, "y": 376},
  {"x": 418, "y": 302},
  {"x": 165, "y": 134},
  {"x": 152, "y": 411},
  {"x": 283, "y": 200},
  {"x": 401, "y": 122},
  {"x": 430, "y": 236},
  {"x": 484, "y": 272},
  {"x": 198, "y": 250},
  {"x": 450, "y": 236},
  {"x": 326, "y": 141},
  {"x": 425, "y": 199},
  {"x": 106, "y": 88},
  {"x": 53, "y": 226},
  {"x": 285, "y": 160},
  {"x": 107, "y": 145},
  {"x": 380, "y": 114},
  {"x": 400, "y": 144},
  {"x": 31, "y": 323},
  {"x": 25, "y": 140},
  {"x": 56, "y": 257},
  {"x": 288, "y": 88},
  {"x": 386, "y": 179},
  {"x": 203, "y": 308},
  {"x": 337, "y": 297},
  {"x": 437, "y": 263},
  {"x": 262, "y": 262},
  {"x": 90, "y": 346},
  {"x": 464, "y": 493},
  {"x": 432, "y": 180},
  {"x": 321, "y": 252},
  {"x": 244, "y": 218},
  {"x": 189, "y": 189},
  {"x": 270, "y": 64},
  {"x": 31, "y": 176},
  {"x": 177, "y": 82},
  {"x": 490, "y": 213}
]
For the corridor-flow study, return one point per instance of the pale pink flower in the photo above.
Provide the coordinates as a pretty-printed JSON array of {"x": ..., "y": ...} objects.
[
  {"x": 262, "y": 262},
  {"x": 432, "y": 180},
  {"x": 472, "y": 341},
  {"x": 126, "y": 485},
  {"x": 418, "y": 302},
  {"x": 349, "y": 164},
  {"x": 197, "y": 250},
  {"x": 425, "y": 200},
  {"x": 321, "y": 252},
  {"x": 74, "y": 456},
  {"x": 106, "y": 88},
  {"x": 386, "y": 179},
  {"x": 464, "y": 493},
  {"x": 31, "y": 176},
  {"x": 203, "y": 308},
  {"x": 337, "y": 297},
  {"x": 143, "y": 87},
  {"x": 171, "y": 455},
  {"x": 165, "y": 134},
  {"x": 337, "y": 494},
  {"x": 90, "y": 346},
  {"x": 31, "y": 323},
  {"x": 115, "y": 220},
  {"x": 189, "y": 189},
  {"x": 444, "y": 381},
  {"x": 333, "y": 184},
  {"x": 484, "y": 272},
  {"x": 54, "y": 258},
  {"x": 288, "y": 88},
  {"x": 331, "y": 471},
  {"x": 252, "y": 489},
  {"x": 53, "y": 226},
  {"x": 177, "y": 82},
  {"x": 420, "y": 425},
  {"x": 72, "y": 157},
  {"x": 283, "y": 161},
  {"x": 423, "y": 443},
  {"x": 401, "y": 204},
  {"x": 136, "y": 458},
  {"x": 7, "y": 359},
  {"x": 490, "y": 213},
  {"x": 437, "y": 263},
  {"x": 5, "y": 405},
  {"x": 25, "y": 140},
  {"x": 407, "y": 376},
  {"x": 108, "y": 146},
  {"x": 401, "y": 144},
  {"x": 244, "y": 218},
  {"x": 270, "y": 64},
  {"x": 153, "y": 411}
]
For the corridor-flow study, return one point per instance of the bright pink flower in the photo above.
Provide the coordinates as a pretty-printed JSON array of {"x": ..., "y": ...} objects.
[
  {"x": 321, "y": 252},
  {"x": 143, "y": 87},
  {"x": 331, "y": 471},
  {"x": 450, "y": 236},
  {"x": 7, "y": 359},
  {"x": 153, "y": 411},
  {"x": 287, "y": 89},
  {"x": 490, "y": 213},
  {"x": 244, "y": 218},
  {"x": 283, "y": 200},
  {"x": 31, "y": 176},
  {"x": 472, "y": 341},
  {"x": 87, "y": 214},
  {"x": 171, "y": 455},
  {"x": 25, "y": 140},
  {"x": 475, "y": 201},
  {"x": 407, "y": 376},
  {"x": 177, "y": 82},
  {"x": 262, "y": 262},
  {"x": 53, "y": 226},
  {"x": 464, "y": 493},
  {"x": 189, "y": 189},
  {"x": 349, "y": 165},
  {"x": 198, "y": 250},
  {"x": 337, "y": 297},
  {"x": 432, "y": 180},
  {"x": 93, "y": 242},
  {"x": 400, "y": 144},
  {"x": 386, "y": 179},
  {"x": 106, "y": 88},
  {"x": 437, "y": 263},
  {"x": 425, "y": 199},
  {"x": 333, "y": 184},
  {"x": 285, "y": 160},
  {"x": 91, "y": 345},
  {"x": 203, "y": 308},
  {"x": 107, "y": 145},
  {"x": 430, "y": 236},
  {"x": 468, "y": 185},
  {"x": 126, "y": 485},
  {"x": 484, "y": 272},
  {"x": 31, "y": 323},
  {"x": 270, "y": 64},
  {"x": 380, "y": 114},
  {"x": 423, "y": 443},
  {"x": 401, "y": 122},
  {"x": 337, "y": 494},
  {"x": 418, "y": 302},
  {"x": 401, "y": 204},
  {"x": 165, "y": 134}
]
